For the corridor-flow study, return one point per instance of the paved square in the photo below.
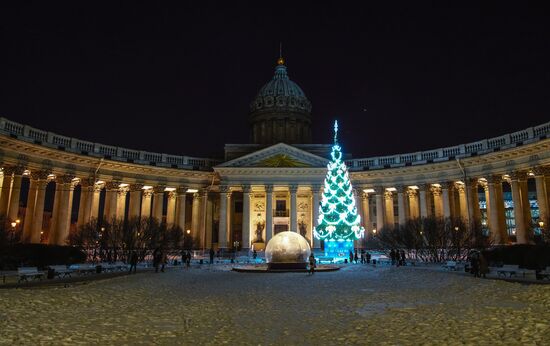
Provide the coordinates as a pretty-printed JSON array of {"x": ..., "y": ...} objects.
[{"x": 356, "y": 305}]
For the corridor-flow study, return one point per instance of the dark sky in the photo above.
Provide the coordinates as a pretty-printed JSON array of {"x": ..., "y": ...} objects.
[{"x": 179, "y": 78}]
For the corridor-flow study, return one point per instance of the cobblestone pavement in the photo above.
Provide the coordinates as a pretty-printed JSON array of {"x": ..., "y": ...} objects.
[{"x": 212, "y": 306}]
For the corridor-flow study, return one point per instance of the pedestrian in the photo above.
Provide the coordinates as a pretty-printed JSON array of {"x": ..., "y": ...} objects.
[
  {"x": 254, "y": 255},
  {"x": 355, "y": 257},
  {"x": 163, "y": 260},
  {"x": 362, "y": 256},
  {"x": 403, "y": 257},
  {"x": 188, "y": 259},
  {"x": 483, "y": 265},
  {"x": 392, "y": 257},
  {"x": 312, "y": 264},
  {"x": 350, "y": 257},
  {"x": 156, "y": 259},
  {"x": 368, "y": 257},
  {"x": 183, "y": 258},
  {"x": 212, "y": 253},
  {"x": 133, "y": 261},
  {"x": 474, "y": 264}
]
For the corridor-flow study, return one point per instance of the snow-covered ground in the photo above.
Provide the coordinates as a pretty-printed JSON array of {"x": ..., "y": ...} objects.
[{"x": 356, "y": 305}]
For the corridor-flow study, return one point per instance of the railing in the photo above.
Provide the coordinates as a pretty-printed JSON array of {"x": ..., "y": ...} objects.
[
  {"x": 78, "y": 146},
  {"x": 53, "y": 140},
  {"x": 511, "y": 140}
]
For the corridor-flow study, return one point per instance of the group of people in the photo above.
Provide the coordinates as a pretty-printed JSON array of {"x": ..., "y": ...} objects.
[
  {"x": 478, "y": 264},
  {"x": 354, "y": 256},
  {"x": 397, "y": 257}
]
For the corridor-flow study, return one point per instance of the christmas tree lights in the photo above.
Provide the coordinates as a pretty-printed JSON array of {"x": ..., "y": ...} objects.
[{"x": 339, "y": 224}]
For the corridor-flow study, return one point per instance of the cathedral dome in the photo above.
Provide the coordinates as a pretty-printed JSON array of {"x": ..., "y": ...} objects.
[
  {"x": 281, "y": 92},
  {"x": 281, "y": 111}
]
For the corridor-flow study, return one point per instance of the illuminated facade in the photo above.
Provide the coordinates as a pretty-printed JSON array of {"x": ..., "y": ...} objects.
[{"x": 271, "y": 185}]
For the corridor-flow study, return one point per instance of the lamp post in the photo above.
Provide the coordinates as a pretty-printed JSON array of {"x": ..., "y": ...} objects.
[{"x": 541, "y": 228}]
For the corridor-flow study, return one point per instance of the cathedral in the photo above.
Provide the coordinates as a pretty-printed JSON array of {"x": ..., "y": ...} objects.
[{"x": 271, "y": 184}]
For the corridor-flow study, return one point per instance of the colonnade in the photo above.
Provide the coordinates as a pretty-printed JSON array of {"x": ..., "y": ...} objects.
[
  {"x": 144, "y": 201},
  {"x": 460, "y": 199}
]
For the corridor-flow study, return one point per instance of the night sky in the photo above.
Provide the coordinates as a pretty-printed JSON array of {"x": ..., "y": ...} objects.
[{"x": 178, "y": 78}]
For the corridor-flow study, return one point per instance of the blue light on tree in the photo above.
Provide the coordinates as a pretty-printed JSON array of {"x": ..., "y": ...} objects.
[{"x": 339, "y": 224}]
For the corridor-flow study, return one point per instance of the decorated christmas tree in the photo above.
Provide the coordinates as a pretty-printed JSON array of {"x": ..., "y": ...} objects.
[{"x": 339, "y": 223}]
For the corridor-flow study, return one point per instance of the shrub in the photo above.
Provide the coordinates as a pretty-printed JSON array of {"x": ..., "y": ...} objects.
[
  {"x": 524, "y": 255},
  {"x": 39, "y": 255}
]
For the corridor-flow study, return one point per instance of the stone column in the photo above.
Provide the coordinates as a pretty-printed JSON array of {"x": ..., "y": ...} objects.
[
  {"x": 366, "y": 212},
  {"x": 519, "y": 213},
  {"x": 146, "y": 199},
  {"x": 13, "y": 210},
  {"x": 438, "y": 203},
  {"x": 402, "y": 207},
  {"x": 526, "y": 207},
  {"x": 5, "y": 192},
  {"x": 425, "y": 202},
  {"x": 158, "y": 199},
  {"x": 29, "y": 211},
  {"x": 246, "y": 217},
  {"x": 268, "y": 213},
  {"x": 389, "y": 212},
  {"x": 171, "y": 209},
  {"x": 38, "y": 215},
  {"x": 180, "y": 207},
  {"x": 487, "y": 203},
  {"x": 204, "y": 213},
  {"x": 412, "y": 195},
  {"x": 472, "y": 197},
  {"x": 542, "y": 194},
  {"x": 446, "y": 195},
  {"x": 121, "y": 202},
  {"x": 316, "y": 190},
  {"x": 462, "y": 202},
  {"x": 380, "y": 208},
  {"x": 86, "y": 201},
  {"x": 195, "y": 217},
  {"x": 57, "y": 197},
  {"x": 64, "y": 189},
  {"x": 225, "y": 194},
  {"x": 496, "y": 215},
  {"x": 111, "y": 191},
  {"x": 134, "y": 205},
  {"x": 293, "y": 208}
]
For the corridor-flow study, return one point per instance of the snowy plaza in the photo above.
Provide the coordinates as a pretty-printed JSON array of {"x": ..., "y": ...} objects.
[{"x": 358, "y": 304}]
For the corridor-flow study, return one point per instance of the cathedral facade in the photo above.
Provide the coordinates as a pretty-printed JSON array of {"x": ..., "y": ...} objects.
[{"x": 272, "y": 184}]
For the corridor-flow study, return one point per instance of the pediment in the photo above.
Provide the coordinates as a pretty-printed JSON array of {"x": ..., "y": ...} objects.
[{"x": 278, "y": 155}]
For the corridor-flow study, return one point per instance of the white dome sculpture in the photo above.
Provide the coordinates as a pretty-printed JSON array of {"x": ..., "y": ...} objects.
[{"x": 287, "y": 250}]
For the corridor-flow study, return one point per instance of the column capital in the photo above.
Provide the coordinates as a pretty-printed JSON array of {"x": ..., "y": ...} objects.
[
  {"x": 293, "y": 188},
  {"x": 494, "y": 179},
  {"x": 112, "y": 185},
  {"x": 517, "y": 175},
  {"x": 460, "y": 187},
  {"x": 39, "y": 175},
  {"x": 425, "y": 187},
  {"x": 364, "y": 196},
  {"x": 472, "y": 181},
  {"x": 436, "y": 190},
  {"x": 182, "y": 190},
  {"x": 87, "y": 182},
  {"x": 247, "y": 188},
  {"x": 64, "y": 179},
  {"x": 147, "y": 193},
  {"x": 225, "y": 189},
  {"x": 269, "y": 188},
  {"x": 388, "y": 194},
  {"x": 8, "y": 170},
  {"x": 122, "y": 191},
  {"x": 412, "y": 192},
  {"x": 204, "y": 192},
  {"x": 447, "y": 185},
  {"x": 172, "y": 194},
  {"x": 379, "y": 190},
  {"x": 18, "y": 170},
  {"x": 159, "y": 189},
  {"x": 539, "y": 171},
  {"x": 135, "y": 187},
  {"x": 316, "y": 188}
]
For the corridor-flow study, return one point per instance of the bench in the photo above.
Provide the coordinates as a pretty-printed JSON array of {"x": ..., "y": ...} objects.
[
  {"x": 543, "y": 274},
  {"x": 61, "y": 270},
  {"x": 83, "y": 268},
  {"x": 450, "y": 265},
  {"x": 29, "y": 272},
  {"x": 320, "y": 259}
]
